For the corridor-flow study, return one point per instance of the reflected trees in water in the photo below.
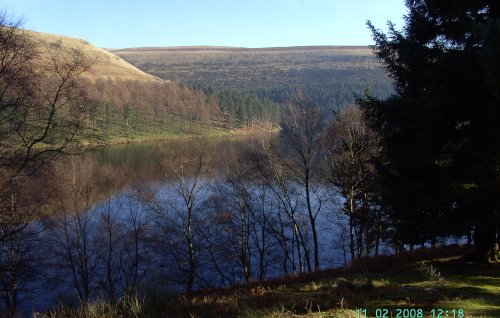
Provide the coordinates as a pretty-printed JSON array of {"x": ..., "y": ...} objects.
[{"x": 206, "y": 220}]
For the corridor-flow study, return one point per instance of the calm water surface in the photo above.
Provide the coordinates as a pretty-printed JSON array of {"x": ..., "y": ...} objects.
[{"x": 137, "y": 166}]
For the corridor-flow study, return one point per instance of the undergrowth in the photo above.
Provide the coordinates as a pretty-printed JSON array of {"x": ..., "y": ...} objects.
[{"x": 409, "y": 280}]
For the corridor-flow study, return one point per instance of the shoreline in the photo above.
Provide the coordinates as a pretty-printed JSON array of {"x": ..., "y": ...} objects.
[{"x": 169, "y": 137}]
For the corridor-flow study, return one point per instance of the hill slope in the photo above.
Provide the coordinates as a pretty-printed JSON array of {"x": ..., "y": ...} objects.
[
  {"x": 127, "y": 102},
  {"x": 106, "y": 65},
  {"x": 245, "y": 68},
  {"x": 332, "y": 75}
]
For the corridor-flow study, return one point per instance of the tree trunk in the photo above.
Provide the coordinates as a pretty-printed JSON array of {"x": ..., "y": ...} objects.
[
  {"x": 485, "y": 238},
  {"x": 192, "y": 261},
  {"x": 192, "y": 267},
  {"x": 313, "y": 222}
]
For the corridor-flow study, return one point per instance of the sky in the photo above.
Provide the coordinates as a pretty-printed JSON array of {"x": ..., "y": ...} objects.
[{"x": 250, "y": 23}]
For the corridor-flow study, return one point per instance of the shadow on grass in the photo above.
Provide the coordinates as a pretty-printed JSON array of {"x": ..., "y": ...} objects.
[{"x": 384, "y": 282}]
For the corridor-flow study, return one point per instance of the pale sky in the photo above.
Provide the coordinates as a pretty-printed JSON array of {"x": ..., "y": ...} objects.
[{"x": 251, "y": 23}]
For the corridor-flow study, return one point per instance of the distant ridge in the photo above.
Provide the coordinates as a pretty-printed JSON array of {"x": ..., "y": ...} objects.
[
  {"x": 232, "y": 48},
  {"x": 254, "y": 69}
]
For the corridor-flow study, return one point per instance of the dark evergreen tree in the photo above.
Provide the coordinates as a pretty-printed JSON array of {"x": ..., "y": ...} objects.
[{"x": 441, "y": 138}]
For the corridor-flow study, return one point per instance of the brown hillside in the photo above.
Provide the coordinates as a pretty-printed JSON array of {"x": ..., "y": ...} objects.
[
  {"x": 117, "y": 88},
  {"x": 257, "y": 68},
  {"x": 106, "y": 65}
]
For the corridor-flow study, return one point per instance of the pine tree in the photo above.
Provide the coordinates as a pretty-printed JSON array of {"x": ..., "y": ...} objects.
[{"x": 440, "y": 169}]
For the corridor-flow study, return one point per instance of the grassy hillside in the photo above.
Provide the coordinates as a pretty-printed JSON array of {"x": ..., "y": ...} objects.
[
  {"x": 249, "y": 69},
  {"x": 106, "y": 65},
  {"x": 332, "y": 75},
  {"x": 427, "y": 279}
]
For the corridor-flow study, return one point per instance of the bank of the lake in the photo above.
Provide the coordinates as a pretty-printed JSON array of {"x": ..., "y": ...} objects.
[
  {"x": 437, "y": 282},
  {"x": 166, "y": 136}
]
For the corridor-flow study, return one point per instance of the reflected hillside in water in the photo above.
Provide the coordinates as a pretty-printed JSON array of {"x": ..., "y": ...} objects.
[{"x": 139, "y": 163}]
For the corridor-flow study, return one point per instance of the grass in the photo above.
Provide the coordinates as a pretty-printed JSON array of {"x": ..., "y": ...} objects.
[{"x": 384, "y": 282}]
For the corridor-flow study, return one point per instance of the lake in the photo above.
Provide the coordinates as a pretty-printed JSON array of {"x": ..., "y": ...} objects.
[{"x": 169, "y": 216}]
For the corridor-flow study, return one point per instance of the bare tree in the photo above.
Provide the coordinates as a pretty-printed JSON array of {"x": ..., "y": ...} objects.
[
  {"x": 350, "y": 154},
  {"x": 244, "y": 204},
  {"x": 261, "y": 228},
  {"x": 110, "y": 233},
  {"x": 219, "y": 248},
  {"x": 20, "y": 275},
  {"x": 134, "y": 249},
  {"x": 302, "y": 123},
  {"x": 43, "y": 104},
  {"x": 180, "y": 212},
  {"x": 17, "y": 83},
  {"x": 236, "y": 195},
  {"x": 75, "y": 246},
  {"x": 97, "y": 235},
  {"x": 277, "y": 177},
  {"x": 40, "y": 113},
  {"x": 122, "y": 232}
]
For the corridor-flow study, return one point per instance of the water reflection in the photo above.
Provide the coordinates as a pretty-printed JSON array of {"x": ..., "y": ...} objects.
[
  {"x": 140, "y": 161},
  {"x": 176, "y": 215}
]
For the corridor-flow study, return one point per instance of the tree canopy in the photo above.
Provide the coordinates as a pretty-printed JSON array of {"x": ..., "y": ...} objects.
[{"x": 440, "y": 135}]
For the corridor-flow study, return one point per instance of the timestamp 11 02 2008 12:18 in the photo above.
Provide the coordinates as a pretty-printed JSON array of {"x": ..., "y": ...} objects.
[{"x": 410, "y": 313}]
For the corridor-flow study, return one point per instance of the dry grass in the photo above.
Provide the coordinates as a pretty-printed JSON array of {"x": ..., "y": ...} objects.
[{"x": 106, "y": 66}]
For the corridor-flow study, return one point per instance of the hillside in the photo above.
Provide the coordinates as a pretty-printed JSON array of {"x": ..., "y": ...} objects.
[
  {"x": 127, "y": 103},
  {"x": 242, "y": 68},
  {"x": 106, "y": 65},
  {"x": 332, "y": 75}
]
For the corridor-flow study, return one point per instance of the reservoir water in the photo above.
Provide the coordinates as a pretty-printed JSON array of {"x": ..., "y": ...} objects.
[{"x": 162, "y": 217}]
